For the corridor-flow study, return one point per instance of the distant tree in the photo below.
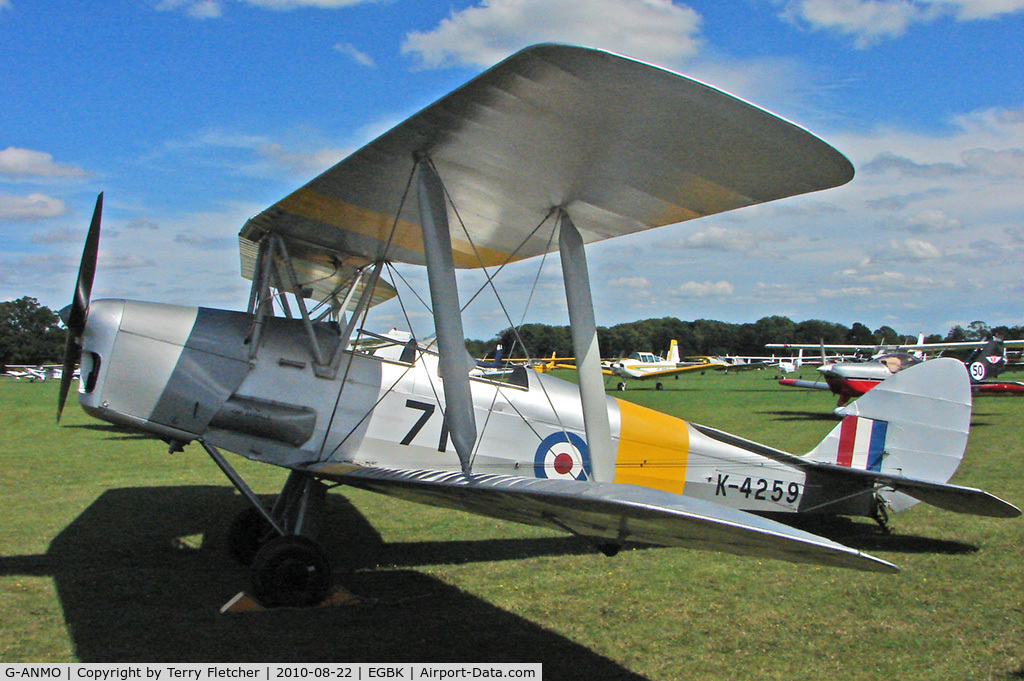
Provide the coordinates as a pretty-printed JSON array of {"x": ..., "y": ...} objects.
[
  {"x": 860, "y": 335},
  {"x": 886, "y": 335},
  {"x": 956, "y": 335},
  {"x": 774, "y": 329},
  {"x": 30, "y": 333},
  {"x": 818, "y": 331},
  {"x": 978, "y": 330}
]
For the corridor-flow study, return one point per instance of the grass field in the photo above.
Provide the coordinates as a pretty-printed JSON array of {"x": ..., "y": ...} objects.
[{"x": 111, "y": 549}]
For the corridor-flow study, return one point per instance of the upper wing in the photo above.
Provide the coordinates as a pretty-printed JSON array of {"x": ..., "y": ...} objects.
[
  {"x": 611, "y": 511},
  {"x": 621, "y": 145}
]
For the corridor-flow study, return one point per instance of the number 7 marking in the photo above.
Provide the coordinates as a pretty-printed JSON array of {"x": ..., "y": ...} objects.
[{"x": 428, "y": 411}]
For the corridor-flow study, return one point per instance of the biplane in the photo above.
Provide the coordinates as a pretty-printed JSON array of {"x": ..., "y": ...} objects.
[{"x": 551, "y": 149}]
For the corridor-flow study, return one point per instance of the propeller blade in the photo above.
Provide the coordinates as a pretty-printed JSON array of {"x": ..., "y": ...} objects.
[
  {"x": 74, "y": 316},
  {"x": 86, "y": 273},
  {"x": 72, "y": 353}
]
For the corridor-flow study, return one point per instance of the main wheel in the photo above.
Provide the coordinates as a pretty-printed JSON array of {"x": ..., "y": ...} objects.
[
  {"x": 247, "y": 533},
  {"x": 290, "y": 571}
]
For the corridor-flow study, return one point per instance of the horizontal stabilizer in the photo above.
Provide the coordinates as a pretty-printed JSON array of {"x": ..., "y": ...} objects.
[
  {"x": 607, "y": 511},
  {"x": 796, "y": 383},
  {"x": 943, "y": 495}
]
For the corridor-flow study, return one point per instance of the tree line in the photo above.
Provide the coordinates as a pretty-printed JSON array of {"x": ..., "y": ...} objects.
[
  {"x": 31, "y": 333},
  {"x": 710, "y": 337}
]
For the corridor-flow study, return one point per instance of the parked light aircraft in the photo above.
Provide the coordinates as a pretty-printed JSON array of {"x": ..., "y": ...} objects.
[
  {"x": 643, "y": 366},
  {"x": 33, "y": 372},
  {"x": 849, "y": 380},
  {"x": 547, "y": 147}
]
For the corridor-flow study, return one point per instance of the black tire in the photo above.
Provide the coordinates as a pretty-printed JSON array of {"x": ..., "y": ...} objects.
[
  {"x": 247, "y": 533},
  {"x": 290, "y": 571},
  {"x": 659, "y": 386}
]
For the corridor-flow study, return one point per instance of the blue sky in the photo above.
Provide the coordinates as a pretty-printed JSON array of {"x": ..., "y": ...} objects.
[{"x": 192, "y": 115}]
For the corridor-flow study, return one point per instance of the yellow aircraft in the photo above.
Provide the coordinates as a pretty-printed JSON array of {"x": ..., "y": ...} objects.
[{"x": 644, "y": 366}]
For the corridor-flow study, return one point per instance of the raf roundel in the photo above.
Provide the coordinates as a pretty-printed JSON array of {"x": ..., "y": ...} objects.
[{"x": 562, "y": 455}]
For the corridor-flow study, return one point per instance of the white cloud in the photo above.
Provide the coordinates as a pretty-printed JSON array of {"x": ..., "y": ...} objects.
[
  {"x": 191, "y": 239},
  {"x": 717, "y": 238},
  {"x": 1007, "y": 162},
  {"x": 704, "y": 289},
  {"x": 113, "y": 261},
  {"x": 295, "y": 4},
  {"x": 300, "y": 163},
  {"x": 197, "y": 9},
  {"x": 26, "y": 163},
  {"x": 914, "y": 249},
  {"x": 58, "y": 236},
  {"x": 360, "y": 57},
  {"x": 932, "y": 220},
  {"x": 32, "y": 207},
  {"x": 480, "y": 35},
  {"x": 213, "y": 9},
  {"x": 867, "y": 21},
  {"x": 142, "y": 223},
  {"x": 871, "y": 21},
  {"x": 630, "y": 282},
  {"x": 982, "y": 9}
]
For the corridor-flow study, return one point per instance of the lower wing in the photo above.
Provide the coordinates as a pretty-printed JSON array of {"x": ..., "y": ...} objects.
[{"x": 609, "y": 512}]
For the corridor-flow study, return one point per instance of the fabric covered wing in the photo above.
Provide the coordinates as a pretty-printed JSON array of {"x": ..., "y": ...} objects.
[
  {"x": 621, "y": 145},
  {"x": 607, "y": 511}
]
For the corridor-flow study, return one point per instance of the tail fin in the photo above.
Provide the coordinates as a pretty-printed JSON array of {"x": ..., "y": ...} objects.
[
  {"x": 673, "y": 352},
  {"x": 913, "y": 425},
  {"x": 986, "y": 362}
]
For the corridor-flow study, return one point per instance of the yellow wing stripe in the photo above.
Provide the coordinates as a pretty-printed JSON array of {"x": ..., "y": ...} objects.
[
  {"x": 653, "y": 449},
  {"x": 351, "y": 218}
]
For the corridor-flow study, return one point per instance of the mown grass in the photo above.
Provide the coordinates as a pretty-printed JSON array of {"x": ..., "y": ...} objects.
[{"x": 112, "y": 550}]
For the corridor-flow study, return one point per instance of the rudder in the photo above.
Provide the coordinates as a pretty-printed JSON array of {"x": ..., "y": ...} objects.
[{"x": 913, "y": 425}]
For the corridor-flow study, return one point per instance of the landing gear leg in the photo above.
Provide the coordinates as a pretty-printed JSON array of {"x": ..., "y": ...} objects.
[
  {"x": 881, "y": 516},
  {"x": 288, "y": 568}
]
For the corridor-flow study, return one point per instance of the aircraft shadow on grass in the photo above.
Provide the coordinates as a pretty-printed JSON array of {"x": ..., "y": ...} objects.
[
  {"x": 866, "y": 536},
  {"x": 789, "y": 415},
  {"x": 142, "y": 572}
]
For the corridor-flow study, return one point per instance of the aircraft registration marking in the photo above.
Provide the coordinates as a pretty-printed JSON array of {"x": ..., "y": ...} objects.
[{"x": 761, "y": 489}]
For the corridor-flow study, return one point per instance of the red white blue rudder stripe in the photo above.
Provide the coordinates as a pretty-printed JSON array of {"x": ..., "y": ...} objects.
[{"x": 861, "y": 443}]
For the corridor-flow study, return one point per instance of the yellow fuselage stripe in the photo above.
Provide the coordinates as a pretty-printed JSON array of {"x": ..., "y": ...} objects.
[{"x": 653, "y": 449}]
